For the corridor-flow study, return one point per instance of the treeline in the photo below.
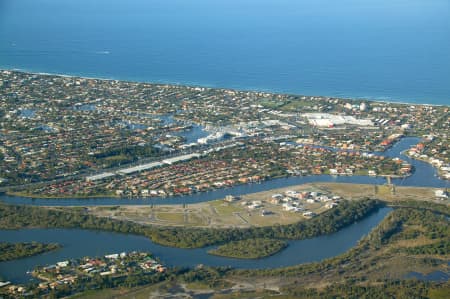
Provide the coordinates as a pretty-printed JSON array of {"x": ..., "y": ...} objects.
[
  {"x": 385, "y": 289},
  {"x": 132, "y": 151},
  {"x": 330, "y": 221},
  {"x": 439, "y": 248},
  {"x": 12, "y": 251},
  {"x": 423, "y": 205},
  {"x": 127, "y": 154},
  {"x": 425, "y": 224},
  {"x": 211, "y": 276},
  {"x": 391, "y": 225},
  {"x": 422, "y": 223},
  {"x": 250, "y": 248}
]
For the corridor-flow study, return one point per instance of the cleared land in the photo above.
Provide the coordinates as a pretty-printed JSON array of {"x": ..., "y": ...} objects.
[
  {"x": 219, "y": 213},
  {"x": 384, "y": 192},
  {"x": 216, "y": 213}
]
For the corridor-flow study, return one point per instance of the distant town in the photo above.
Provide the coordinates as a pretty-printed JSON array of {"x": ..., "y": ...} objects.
[{"x": 79, "y": 137}]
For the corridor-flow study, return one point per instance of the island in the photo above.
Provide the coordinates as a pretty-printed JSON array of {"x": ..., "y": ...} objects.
[
  {"x": 11, "y": 251},
  {"x": 250, "y": 248}
]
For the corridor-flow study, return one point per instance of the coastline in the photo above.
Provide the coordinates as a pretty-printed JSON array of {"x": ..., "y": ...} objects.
[{"x": 373, "y": 99}]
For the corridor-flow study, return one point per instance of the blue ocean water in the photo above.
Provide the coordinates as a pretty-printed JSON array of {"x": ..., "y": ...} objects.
[{"x": 395, "y": 50}]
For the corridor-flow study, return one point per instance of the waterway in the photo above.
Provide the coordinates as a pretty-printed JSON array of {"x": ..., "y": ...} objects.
[
  {"x": 424, "y": 175},
  {"x": 78, "y": 243},
  {"x": 433, "y": 276},
  {"x": 394, "y": 50}
]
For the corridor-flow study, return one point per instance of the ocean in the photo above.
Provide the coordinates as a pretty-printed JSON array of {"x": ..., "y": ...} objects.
[{"x": 392, "y": 50}]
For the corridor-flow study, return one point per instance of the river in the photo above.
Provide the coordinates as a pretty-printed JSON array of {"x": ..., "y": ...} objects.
[{"x": 77, "y": 243}]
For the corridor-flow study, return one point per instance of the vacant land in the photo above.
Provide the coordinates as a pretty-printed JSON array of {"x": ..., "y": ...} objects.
[
  {"x": 383, "y": 192},
  {"x": 216, "y": 213},
  {"x": 220, "y": 213}
]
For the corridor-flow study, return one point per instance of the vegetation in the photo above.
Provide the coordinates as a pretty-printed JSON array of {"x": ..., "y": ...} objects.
[
  {"x": 405, "y": 241},
  {"x": 331, "y": 221},
  {"x": 375, "y": 268},
  {"x": 250, "y": 248},
  {"x": 385, "y": 289},
  {"x": 11, "y": 251},
  {"x": 425, "y": 225},
  {"x": 212, "y": 277},
  {"x": 397, "y": 233},
  {"x": 351, "y": 290},
  {"x": 423, "y": 205},
  {"x": 113, "y": 157},
  {"x": 439, "y": 248}
]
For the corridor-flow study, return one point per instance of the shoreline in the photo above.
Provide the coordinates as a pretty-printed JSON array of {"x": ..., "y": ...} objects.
[
  {"x": 176, "y": 195},
  {"x": 113, "y": 196},
  {"x": 438, "y": 170},
  {"x": 271, "y": 191},
  {"x": 209, "y": 86}
]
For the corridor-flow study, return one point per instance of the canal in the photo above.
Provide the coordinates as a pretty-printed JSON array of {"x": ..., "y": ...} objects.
[{"x": 424, "y": 175}]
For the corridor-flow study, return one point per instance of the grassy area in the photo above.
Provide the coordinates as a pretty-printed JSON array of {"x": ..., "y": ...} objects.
[
  {"x": 295, "y": 105},
  {"x": 98, "y": 294},
  {"x": 197, "y": 285},
  {"x": 177, "y": 218},
  {"x": 196, "y": 220},
  {"x": 225, "y": 208},
  {"x": 219, "y": 213},
  {"x": 141, "y": 292},
  {"x": 384, "y": 192},
  {"x": 215, "y": 213},
  {"x": 222, "y": 214},
  {"x": 439, "y": 293}
]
